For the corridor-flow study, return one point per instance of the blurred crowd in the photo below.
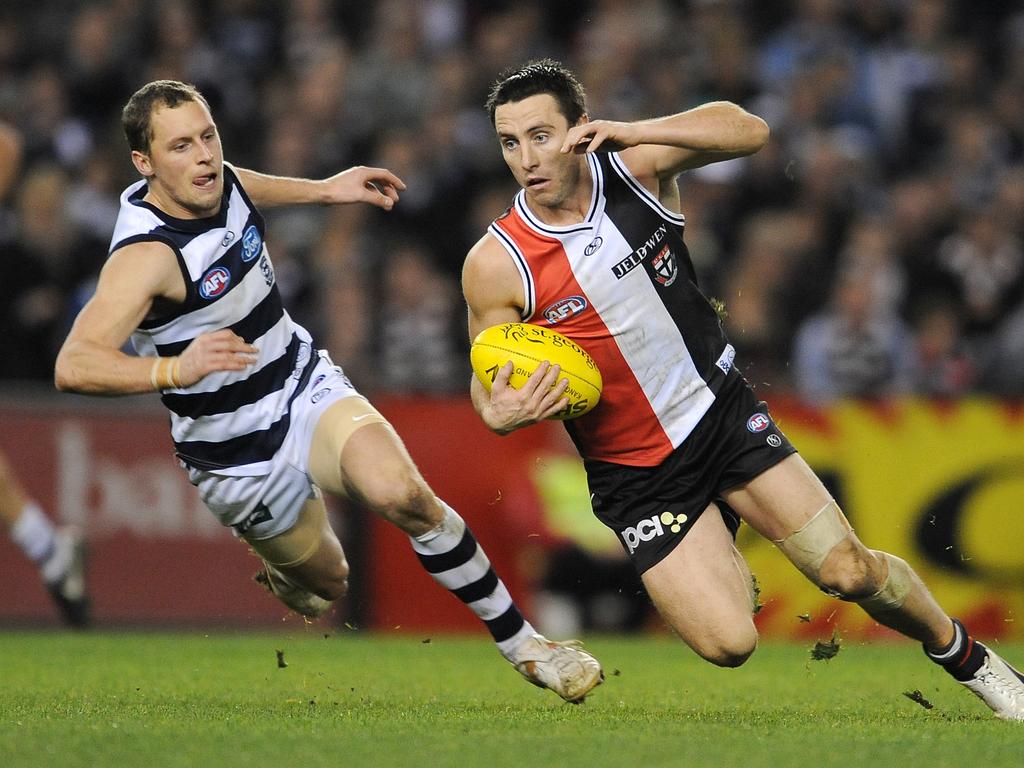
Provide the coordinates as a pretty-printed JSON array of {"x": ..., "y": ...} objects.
[{"x": 873, "y": 248}]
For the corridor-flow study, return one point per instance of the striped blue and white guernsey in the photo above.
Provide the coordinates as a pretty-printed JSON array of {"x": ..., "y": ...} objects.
[{"x": 230, "y": 421}]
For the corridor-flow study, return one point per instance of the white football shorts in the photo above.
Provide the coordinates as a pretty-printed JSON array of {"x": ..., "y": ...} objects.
[{"x": 268, "y": 504}]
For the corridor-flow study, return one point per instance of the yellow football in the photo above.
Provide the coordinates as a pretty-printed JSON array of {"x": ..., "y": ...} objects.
[{"x": 527, "y": 346}]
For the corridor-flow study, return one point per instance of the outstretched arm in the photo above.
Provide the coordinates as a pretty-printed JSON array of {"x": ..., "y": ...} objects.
[{"x": 376, "y": 186}]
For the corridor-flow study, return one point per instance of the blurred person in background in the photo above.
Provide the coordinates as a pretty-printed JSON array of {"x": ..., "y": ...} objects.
[
  {"x": 57, "y": 552},
  {"x": 582, "y": 580},
  {"x": 10, "y": 158},
  {"x": 679, "y": 449},
  {"x": 767, "y": 288},
  {"x": 262, "y": 422},
  {"x": 942, "y": 364},
  {"x": 417, "y": 326},
  {"x": 47, "y": 264},
  {"x": 852, "y": 349},
  {"x": 984, "y": 264},
  {"x": 858, "y": 345}
]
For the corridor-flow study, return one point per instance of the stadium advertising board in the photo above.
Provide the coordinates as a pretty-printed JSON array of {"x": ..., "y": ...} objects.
[{"x": 938, "y": 484}]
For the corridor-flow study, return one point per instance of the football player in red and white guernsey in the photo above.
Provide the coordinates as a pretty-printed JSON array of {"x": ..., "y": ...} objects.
[{"x": 679, "y": 449}]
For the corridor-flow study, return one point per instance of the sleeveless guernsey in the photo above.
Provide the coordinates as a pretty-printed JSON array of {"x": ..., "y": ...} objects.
[
  {"x": 232, "y": 422},
  {"x": 621, "y": 284}
]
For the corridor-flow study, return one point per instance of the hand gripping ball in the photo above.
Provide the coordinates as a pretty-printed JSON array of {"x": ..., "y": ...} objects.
[{"x": 527, "y": 346}]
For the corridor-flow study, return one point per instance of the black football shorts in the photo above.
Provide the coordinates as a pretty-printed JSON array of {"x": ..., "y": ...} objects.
[{"x": 652, "y": 508}]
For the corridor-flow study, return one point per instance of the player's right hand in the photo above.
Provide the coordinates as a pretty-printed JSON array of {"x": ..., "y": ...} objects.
[
  {"x": 222, "y": 350},
  {"x": 542, "y": 396}
]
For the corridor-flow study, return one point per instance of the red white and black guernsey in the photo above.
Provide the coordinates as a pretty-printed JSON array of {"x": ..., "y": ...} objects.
[{"x": 622, "y": 285}]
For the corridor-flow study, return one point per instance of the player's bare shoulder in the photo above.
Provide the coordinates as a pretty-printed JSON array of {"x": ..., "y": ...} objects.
[
  {"x": 151, "y": 266},
  {"x": 489, "y": 266}
]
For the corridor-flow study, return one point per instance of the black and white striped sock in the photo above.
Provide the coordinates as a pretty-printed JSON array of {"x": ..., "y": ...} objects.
[{"x": 452, "y": 556}]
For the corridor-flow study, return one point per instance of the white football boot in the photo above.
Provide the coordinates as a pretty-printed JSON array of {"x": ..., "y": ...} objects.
[
  {"x": 297, "y": 598},
  {"x": 999, "y": 685},
  {"x": 564, "y": 668}
]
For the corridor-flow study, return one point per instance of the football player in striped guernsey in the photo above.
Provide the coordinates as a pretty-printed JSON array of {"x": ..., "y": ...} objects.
[
  {"x": 679, "y": 449},
  {"x": 262, "y": 422}
]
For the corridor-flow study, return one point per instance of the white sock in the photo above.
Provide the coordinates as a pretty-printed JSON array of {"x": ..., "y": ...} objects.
[
  {"x": 36, "y": 536},
  {"x": 33, "y": 533}
]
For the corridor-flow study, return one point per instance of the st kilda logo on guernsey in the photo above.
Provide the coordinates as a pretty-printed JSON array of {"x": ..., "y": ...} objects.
[
  {"x": 214, "y": 283},
  {"x": 666, "y": 269}
]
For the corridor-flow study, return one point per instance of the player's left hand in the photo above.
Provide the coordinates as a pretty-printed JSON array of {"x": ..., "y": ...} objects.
[
  {"x": 606, "y": 135},
  {"x": 376, "y": 186}
]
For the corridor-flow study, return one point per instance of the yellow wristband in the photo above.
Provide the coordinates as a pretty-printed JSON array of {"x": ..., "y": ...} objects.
[{"x": 164, "y": 373}]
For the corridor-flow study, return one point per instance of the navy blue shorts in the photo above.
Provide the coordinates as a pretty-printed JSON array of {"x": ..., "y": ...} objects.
[{"x": 652, "y": 508}]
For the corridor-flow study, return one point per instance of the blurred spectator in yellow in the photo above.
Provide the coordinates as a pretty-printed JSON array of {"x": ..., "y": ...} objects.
[{"x": 581, "y": 578}]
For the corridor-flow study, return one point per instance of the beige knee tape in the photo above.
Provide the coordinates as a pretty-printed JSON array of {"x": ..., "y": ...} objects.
[
  {"x": 299, "y": 543},
  {"x": 894, "y": 591},
  {"x": 332, "y": 431},
  {"x": 808, "y": 547}
]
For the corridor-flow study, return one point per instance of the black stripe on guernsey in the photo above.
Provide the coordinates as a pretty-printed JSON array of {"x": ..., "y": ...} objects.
[
  {"x": 254, "y": 212},
  {"x": 507, "y": 625},
  {"x": 249, "y": 448},
  {"x": 642, "y": 192},
  {"x": 461, "y": 554},
  {"x": 263, "y": 317},
  {"x": 231, "y": 260},
  {"x": 689, "y": 309},
  {"x": 195, "y": 226},
  {"x": 179, "y": 233},
  {"x": 231, "y": 397},
  {"x": 479, "y": 589},
  {"x": 158, "y": 236}
]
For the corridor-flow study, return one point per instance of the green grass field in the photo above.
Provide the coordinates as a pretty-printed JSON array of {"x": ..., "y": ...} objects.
[{"x": 353, "y": 699}]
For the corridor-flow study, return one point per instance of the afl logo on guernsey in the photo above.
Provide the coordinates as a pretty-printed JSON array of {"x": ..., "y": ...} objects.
[
  {"x": 214, "y": 283},
  {"x": 758, "y": 423},
  {"x": 564, "y": 309},
  {"x": 251, "y": 243}
]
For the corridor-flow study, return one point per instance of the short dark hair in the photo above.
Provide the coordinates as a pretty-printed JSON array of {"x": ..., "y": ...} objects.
[
  {"x": 137, "y": 115},
  {"x": 536, "y": 77}
]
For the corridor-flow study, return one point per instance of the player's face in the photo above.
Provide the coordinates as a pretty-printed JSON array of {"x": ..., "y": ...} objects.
[
  {"x": 531, "y": 133},
  {"x": 184, "y": 166}
]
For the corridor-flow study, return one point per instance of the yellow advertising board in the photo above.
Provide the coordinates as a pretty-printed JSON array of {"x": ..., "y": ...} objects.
[{"x": 941, "y": 485}]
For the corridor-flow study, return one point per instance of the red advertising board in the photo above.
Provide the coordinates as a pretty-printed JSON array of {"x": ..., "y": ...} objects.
[{"x": 157, "y": 556}]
